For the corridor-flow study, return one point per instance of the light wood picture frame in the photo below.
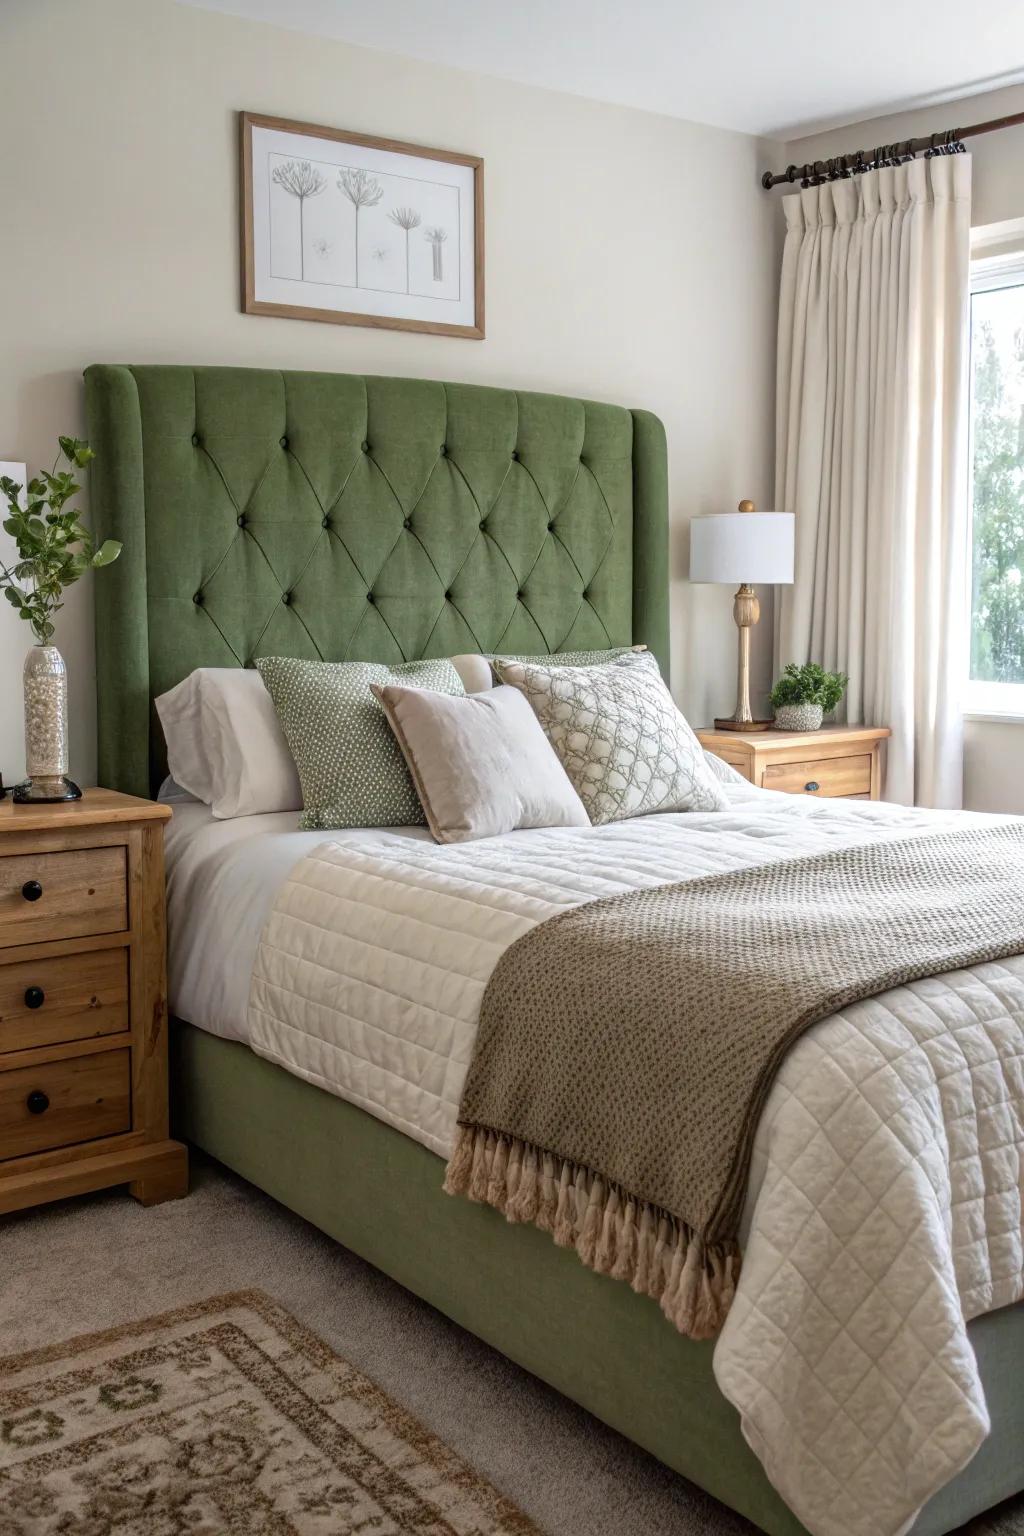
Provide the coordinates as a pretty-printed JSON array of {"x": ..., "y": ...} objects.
[{"x": 356, "y": 230}]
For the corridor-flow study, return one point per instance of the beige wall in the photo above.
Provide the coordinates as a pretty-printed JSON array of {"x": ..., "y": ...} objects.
[
  {"x": 120, "y": 217},
  {"x": 992, "y": 777}
]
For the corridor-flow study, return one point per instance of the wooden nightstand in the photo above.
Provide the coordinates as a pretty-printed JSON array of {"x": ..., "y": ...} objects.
[
  {"x": 838, "y": 760},
  {"x": 83, "y": 1002}
]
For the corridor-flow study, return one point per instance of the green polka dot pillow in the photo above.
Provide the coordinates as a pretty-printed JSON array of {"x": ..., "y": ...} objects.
[{"x": 351, "y": 769}]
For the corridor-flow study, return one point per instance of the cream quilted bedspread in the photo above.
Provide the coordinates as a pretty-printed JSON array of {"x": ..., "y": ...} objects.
[{"x": 885, "y": 1203}]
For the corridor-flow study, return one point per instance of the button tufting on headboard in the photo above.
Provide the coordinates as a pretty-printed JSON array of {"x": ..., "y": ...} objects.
[{"x": 308, "y": 543}]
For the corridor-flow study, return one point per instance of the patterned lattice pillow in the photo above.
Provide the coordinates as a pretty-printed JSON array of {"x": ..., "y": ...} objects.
[
  {"x": 477, "y": 677},
  {"x": 351, "y": 769},
  {"x": 625, "y": 746}
]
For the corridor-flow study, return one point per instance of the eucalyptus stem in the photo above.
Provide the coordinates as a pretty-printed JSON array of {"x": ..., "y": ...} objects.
[{"x": 54, "y": 549}]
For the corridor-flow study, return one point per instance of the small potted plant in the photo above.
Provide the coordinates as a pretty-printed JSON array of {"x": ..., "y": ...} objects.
[
  {"x": 804, "y": 695},
  {"x": 54, "y": 550}
]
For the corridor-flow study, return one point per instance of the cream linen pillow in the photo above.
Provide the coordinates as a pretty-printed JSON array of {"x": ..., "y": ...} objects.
[
  {"x": 619, "y": 736},
  {"x": 481, "y": 764}
]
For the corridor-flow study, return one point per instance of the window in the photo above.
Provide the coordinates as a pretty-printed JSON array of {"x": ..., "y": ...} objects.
[{"x": 997, "y": 486}]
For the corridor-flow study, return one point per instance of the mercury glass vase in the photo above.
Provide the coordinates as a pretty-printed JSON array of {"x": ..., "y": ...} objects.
[{"x": 46, "y": 729}]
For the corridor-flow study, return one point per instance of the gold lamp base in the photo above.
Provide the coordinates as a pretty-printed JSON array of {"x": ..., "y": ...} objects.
[
  {"x": 718, "y": 563},
  {"x": 746, "y": 610}
]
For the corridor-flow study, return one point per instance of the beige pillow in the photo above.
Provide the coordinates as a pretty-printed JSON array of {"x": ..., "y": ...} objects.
[{"x": 481, "y": 764}]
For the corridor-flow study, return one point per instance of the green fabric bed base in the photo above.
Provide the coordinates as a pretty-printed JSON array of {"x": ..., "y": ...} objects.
[{"x": 379, "y": 1193}]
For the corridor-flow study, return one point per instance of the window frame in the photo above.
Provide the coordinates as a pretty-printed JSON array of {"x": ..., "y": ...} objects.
[{"x": 991, "y": 270}]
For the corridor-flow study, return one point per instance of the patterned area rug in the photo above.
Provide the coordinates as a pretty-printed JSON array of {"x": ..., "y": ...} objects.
[{"x": 226, "y": 1418}]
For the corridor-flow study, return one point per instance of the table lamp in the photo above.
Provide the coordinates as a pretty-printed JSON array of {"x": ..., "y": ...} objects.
[{"x": 745, "y": 546}]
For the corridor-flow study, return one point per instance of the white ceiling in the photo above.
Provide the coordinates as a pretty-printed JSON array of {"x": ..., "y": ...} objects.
[{"x": 782, "y": 68}]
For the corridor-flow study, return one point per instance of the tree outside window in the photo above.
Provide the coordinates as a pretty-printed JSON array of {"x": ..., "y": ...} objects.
[{"x": 997, "y": 432}]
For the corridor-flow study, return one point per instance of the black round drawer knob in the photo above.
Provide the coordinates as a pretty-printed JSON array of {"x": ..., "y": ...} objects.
[
  {"x": 35, "y": 997},
  {"x": 812, "y": 786},
  {"x": 31, "y": 890},
  {"x": 37, "y": 1102}
]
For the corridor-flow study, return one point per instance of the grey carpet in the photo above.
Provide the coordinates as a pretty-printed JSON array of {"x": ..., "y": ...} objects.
[{"x": 102, "y": 1260}]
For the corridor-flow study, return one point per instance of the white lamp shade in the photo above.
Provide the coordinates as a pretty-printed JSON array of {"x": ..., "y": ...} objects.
[{"x": 738, "y": 547}]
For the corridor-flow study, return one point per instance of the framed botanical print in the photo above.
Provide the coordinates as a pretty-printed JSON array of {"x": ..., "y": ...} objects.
[{"x": 360, "y": 231}]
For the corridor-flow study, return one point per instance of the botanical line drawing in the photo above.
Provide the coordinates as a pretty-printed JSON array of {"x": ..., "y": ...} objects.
[
  {"x": 407, "y": 219},
  {"x": 437, "y": 237},
  {"x": 322, "y": 247},
  {"x": 380, "y": 253},
  {"x": 362, "y": 191},
  {"x": 302, "y": 180}
]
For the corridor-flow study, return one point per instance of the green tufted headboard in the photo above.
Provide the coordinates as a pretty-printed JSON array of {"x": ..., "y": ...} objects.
[{"x": 341, "y": 517}]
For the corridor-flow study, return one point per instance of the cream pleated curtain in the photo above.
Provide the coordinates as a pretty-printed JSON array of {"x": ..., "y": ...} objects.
[{"x": 870, "y": 455}]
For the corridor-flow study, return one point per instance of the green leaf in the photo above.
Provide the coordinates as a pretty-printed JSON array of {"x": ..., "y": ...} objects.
[
  {"x": 107, "y": 553},
  {"x": 75, "y": 450},
  {"x": 14, "y": 596}
]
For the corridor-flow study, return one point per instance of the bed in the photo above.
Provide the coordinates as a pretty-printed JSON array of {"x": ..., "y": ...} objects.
[{"x": 347, "y": 518}]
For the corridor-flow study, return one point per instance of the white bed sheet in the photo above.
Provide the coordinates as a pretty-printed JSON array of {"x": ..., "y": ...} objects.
[{"x": 222, "y": 880}]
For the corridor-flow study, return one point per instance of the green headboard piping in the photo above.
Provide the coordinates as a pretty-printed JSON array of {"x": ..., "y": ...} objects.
[{"x": 344, "y": 517}]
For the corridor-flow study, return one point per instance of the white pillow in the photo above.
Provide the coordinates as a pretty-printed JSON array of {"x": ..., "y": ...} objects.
[
  {"x": 474, "y": 672},
  {"x": 225, "y": 744}
]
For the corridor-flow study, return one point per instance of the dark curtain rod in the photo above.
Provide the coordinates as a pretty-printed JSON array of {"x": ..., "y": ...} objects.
[{"x": 814, "y": 172}]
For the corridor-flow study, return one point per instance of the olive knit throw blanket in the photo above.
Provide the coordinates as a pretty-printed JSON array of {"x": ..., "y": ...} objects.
[{"x": 626, "y": 1046}]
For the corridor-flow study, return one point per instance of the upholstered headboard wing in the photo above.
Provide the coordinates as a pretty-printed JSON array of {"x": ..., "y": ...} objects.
[{"x": 347, "y": 518}]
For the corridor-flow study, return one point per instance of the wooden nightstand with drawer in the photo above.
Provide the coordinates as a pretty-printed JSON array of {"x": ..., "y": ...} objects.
[
  {"x": 83, "y": 1010},
  {"x": 837, "y": 761}
]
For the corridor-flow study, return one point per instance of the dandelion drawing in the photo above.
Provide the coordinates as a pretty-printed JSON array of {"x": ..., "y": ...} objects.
[
  {"x": 322, "y": 247},
  {"x": 362, "y": 191},
  {"x": 302, "y": 180},
  {"x": 380, "y": 253},
  {"x": 407, "y": 219},
  {"x": 437, "y": 237}
]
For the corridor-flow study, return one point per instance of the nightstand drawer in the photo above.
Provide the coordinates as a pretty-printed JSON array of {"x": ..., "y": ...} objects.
[
  {"x": 63, "y": 1102},
  {"x": 63, "y": 997},
  {"x": 827, "y": 777},
  {"x": 62, "y": 895}
]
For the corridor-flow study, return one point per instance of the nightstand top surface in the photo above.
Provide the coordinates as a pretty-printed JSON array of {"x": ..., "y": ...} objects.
[
  {"x": 828, "y": 735},
  {"x": 97, "y": 807}
]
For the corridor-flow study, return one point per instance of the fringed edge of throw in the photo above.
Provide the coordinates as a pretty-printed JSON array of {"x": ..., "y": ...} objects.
[{"x": 612, "y": 1232}]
